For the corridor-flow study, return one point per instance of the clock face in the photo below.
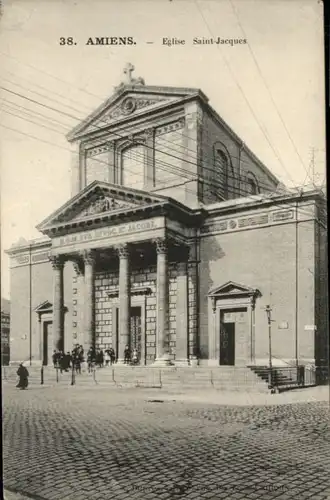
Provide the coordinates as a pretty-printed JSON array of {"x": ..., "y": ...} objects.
[{"x": 128, "y": 105}]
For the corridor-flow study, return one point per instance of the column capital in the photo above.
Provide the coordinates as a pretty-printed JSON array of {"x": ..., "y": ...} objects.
[
  {"x": 88, "y": 257},
  {"x": 122, "y": 251},
  {"x": 161, "y": 245},
  {"x": 149, "y": 132},
  {"x": 57, "y": 262},
  {"x": 77, "y": 266}
]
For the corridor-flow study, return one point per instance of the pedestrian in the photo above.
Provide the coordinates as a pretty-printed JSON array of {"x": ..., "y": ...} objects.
[
  {"x": 23, "y": 375},
  {"x": 54, "y": 358},
  {"x": 127, "y": 355},
  {"x": 101, "y": 359},
  {"x": 61, "y": 361},
  {"x": 90, "y": 359},
  {"x": 68, "y": 360},
  {"x": 135, "y": 357},
  {"x": 112, "y": 355},
  {"x": 107, "y": 357}
]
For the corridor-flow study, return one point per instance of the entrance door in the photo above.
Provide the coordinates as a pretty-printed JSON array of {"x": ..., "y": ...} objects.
[
  {"x": 47, "y": 343},
  {"x": 136, "y": 336},
  {"x": 227, "y": 344}
]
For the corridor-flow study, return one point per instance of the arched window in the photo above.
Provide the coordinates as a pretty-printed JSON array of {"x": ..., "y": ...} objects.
[
  {"x": 252, "y": 184},
  {"x": 221, "y": 173},
  {"x": 132, "y": 167}
]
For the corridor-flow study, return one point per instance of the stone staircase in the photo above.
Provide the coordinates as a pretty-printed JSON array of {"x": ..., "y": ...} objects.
[
  {"x": 282, "y": 377},
  {"x": 170, "y": 379}
]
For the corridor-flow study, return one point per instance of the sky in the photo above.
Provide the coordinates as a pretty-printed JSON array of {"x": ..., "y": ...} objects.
[{"x": 270, "y": 90}]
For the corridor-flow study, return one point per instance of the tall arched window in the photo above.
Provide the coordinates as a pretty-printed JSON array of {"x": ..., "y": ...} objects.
[
  {"x": 221, "y": 173},
  {"x": 252, "y": 184},
  {"x": 132, "y": 167}
]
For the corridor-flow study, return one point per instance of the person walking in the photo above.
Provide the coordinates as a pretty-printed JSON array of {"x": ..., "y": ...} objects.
[
  {"x": 107, "y": 357},
  {"x": 112, "y": 355},
  {"x": 90, "y": 359},
  {"x": 127, "y": 355},
  {"x": 135, "y": 357},
  {"x": 23, "y": 375},
  {"x": 101, "y": 359},
  {"x": 54, "y": 358}
]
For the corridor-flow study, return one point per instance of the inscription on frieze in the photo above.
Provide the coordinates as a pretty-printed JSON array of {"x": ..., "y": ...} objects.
[
  {"x": 217, "y": 227},
  {"x": 282, "y": 215},
  {"x": 253, "y": 221},
  {"x": 40, "y": 257},
  {"x": 99, "y": 234}
]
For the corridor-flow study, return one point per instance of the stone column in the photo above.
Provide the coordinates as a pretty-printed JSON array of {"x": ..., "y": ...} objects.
[
  {"x": 80, "y": 299},
  {"x": 89, "y": 305},
  {"x": 124, "y": 301},
  {"x": 182, "y": 319},
  {"x": 58, "y": 302},
  {"x": 162, "y": 348}
]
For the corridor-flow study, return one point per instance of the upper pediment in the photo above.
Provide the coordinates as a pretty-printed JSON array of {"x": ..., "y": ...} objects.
[
  {"x": 231, "y": 288},
  {"x": 130, "y": 101},
  {"x": 98, "y": 200}
]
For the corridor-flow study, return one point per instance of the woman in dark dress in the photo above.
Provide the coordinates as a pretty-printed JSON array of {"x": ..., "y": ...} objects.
[{"x": 23, "y": 377}]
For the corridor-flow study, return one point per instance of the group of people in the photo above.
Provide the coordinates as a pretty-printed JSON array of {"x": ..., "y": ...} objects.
[
  {"x": 74, "y": 359},
  {"x": 99, "y": 358},
  {"x": 130, "y": 357}
]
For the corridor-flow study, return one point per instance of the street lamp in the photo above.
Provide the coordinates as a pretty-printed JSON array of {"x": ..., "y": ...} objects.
[{"x": 269, "y": 319}]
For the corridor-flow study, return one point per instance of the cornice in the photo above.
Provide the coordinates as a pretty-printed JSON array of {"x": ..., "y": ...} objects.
[
  {"x": 30, "y": 246},
  {"x": 180, "y": 93}
]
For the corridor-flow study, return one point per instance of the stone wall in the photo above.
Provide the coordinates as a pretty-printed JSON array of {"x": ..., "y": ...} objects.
[{"x": 106, "y": 288}]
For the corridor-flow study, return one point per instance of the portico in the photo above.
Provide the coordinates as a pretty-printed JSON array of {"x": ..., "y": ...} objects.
[{"x": 101, "y": 243}]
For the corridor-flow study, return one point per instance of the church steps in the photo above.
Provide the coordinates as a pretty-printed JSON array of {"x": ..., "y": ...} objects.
[{"x": 172, "y": 379}]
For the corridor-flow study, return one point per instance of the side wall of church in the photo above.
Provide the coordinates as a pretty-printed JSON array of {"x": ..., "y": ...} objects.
[
  {"x": 22, "y": 294},
  {"x": 263, "y": 258},
  {"x": 214, "y": 136}
]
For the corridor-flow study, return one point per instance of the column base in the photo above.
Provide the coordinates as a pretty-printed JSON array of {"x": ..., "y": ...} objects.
[
  {"x": 182, "y": 362},
  {"x": 163, "y": 360}
]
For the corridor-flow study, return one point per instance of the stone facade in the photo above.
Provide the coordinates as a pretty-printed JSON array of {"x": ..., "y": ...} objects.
[{"x": 184, "y": 267}]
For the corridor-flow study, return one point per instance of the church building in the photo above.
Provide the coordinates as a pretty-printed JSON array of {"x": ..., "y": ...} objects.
[{"x": 174, "y": 241}]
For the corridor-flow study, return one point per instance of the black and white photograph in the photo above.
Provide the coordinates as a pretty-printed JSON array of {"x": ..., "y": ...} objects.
[{"x": 164, "y": 258}]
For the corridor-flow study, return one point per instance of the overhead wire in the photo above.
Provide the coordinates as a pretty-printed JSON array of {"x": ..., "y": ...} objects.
[
  {"x": 268, "y": 89},
  {"x": 51, "y": 143},
  {"x": 244, "y": 96}
]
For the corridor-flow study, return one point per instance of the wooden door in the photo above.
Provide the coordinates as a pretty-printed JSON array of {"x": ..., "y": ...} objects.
[{"x": 227, "y": 344}]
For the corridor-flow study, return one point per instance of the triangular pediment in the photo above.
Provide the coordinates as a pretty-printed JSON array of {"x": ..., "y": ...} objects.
[
  {"x": 232, "y": 289},
  {"x": 44, "y": 307},
  {"x": 129, "y": 101},
  {"x": 99, "y": 199}
]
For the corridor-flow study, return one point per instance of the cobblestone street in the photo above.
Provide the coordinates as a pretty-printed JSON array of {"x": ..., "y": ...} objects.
[{"x": 78, "y": 444}]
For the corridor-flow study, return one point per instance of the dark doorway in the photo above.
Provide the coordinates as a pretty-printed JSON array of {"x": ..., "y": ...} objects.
[
  {"x": 135, "y": 332},
  {"x": 47, "y": 343},
  {"x": 227, "y": 343},
  {"x": 136, "y": 336}
]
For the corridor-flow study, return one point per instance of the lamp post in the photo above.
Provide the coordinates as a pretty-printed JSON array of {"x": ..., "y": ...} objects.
[{"x": 269, "y": 319}]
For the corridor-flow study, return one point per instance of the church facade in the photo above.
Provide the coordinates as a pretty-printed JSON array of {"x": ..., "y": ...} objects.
[{"x": 175, "y": 240}]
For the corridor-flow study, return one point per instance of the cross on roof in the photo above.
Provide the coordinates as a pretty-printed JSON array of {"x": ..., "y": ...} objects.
[{"x": 129, "y": 68}]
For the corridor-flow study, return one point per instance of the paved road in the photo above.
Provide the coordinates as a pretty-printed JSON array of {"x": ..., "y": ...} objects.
[{"x": 79, "y": 444}]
